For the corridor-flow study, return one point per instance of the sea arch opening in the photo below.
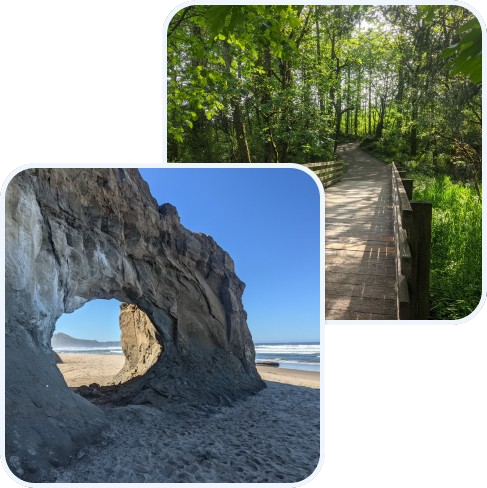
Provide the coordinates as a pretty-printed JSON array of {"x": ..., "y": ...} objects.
[{"x": 104, "y": 343}]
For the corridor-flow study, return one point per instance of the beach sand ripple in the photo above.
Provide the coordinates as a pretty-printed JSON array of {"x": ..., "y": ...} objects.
[{"x": 270, "y": 437}]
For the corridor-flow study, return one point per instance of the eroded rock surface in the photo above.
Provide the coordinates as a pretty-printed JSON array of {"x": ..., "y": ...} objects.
[
  {"x": 56, "y": 357},
  {"x": 73, "y": 235},
  {"x": 140, "y": 343}
]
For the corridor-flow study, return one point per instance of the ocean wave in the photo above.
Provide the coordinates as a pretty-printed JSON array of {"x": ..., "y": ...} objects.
[
  {"x": 287, "y": 349},
  {"x": 112, "y": 349},
  {"x": 285, "y": 361},
  {"x": 288, "y": 346},
  {"x": 294, "y": 356}
]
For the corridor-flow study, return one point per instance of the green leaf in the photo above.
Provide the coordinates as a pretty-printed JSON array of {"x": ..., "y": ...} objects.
[
  {"x": 476, "y": 73},
  {"x": 472, "y": 36},
  {"x": 431, "y": 11},
  {"x": 449, "y": 51},
  {"x": 216, "y": 17},
  {"x": 472, "y": 50},
  {"x": 471, "y": 24},
  {"x": 236, "y": 19}
]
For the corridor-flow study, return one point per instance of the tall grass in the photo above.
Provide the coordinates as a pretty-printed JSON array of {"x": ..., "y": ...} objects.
[{"x": 456, "y": 251}]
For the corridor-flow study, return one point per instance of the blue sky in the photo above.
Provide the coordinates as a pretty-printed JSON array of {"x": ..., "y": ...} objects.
[{"x": 267, "y": 220}]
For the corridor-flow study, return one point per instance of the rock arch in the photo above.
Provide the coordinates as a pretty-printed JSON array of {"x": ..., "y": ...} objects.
[{"x": 73, "y": 235}]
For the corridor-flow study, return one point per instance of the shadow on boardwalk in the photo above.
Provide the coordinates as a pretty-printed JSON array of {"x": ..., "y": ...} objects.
[{"x": 360, "y": 254}]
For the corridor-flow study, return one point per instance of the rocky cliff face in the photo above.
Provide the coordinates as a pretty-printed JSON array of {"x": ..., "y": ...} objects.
[
  {"x": 73, "y": 235},
  {"x": 140, "y": 343}
]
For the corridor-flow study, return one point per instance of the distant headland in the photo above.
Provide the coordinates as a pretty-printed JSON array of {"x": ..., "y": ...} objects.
[{"x": 60, "y": 340}]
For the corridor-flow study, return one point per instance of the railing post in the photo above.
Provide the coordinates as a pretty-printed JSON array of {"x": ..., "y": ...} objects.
[
  {"x": 408, "y": 186},
  {"x": 420, "y": 243}
]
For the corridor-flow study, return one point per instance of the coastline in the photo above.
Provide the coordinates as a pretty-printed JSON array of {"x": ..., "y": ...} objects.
[{"x": 84, "y": 369}]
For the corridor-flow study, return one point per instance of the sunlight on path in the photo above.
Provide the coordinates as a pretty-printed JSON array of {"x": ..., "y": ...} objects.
[{"x": 360, "y": 272}]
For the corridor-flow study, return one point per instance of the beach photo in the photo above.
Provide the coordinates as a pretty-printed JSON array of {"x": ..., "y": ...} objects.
[
  {"x": 163, "y": 325},
  {"x": 383, "y": 102}
]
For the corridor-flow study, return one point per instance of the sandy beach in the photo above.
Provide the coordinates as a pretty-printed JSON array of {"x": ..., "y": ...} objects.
[
  {"x": 270, "y": 437},
  {"x": 84, "y": 369}
]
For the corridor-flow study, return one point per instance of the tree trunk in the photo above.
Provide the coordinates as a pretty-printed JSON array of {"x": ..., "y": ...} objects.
[
  {"x": 336, "y": 100},
  {"x": 349, "y": 102},
  {"x": 286, "y": 81},
  {"x": 243, "y": 153},
  {"x": 357, "y": 103},
  {"x": 380, "y": 123},
  {"x": 270, "y": 149},
  {"x": 370, "y": 104},
  {"x": 338, "y": 125},
  {"x": 318, "y": 58},
  {"x": 413, "y": 135}
]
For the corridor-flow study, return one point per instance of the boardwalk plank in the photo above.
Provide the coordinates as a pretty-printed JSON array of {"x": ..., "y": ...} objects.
[{"x": 359, "y": 241}]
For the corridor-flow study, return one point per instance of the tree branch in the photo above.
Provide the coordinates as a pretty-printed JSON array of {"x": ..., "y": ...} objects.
[
  {"x": 179, "y": 21},
  {"x": 273, "y": 73},
  {"x": 303, "y": 30},
  {"x": 477, "y": 115}
]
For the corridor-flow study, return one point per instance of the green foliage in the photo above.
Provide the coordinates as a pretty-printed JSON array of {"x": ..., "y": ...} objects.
[
  {"x": 456, "y": 252},
  {"x": 388, "y": 148},
  {"x": 287, "y": 83},
  {"x": 467, "y": 52}
]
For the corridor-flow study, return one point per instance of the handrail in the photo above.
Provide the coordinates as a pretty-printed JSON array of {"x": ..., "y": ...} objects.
[
  {"x": 329, "y": 172},
  {"x": 412, "y": 236}
]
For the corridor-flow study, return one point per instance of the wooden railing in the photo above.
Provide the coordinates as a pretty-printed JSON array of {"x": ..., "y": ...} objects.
[
  {"x": 329, "y": 172},
  {"x": 412, "y": 235}
]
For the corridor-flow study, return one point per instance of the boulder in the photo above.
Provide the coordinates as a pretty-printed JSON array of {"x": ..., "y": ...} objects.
[
  {"x": 274, "y": 364},
  {"x": 74, "y": 235}
]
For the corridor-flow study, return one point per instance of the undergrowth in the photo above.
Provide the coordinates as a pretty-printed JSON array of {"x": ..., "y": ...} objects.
[{"x": 456, "y": 249}]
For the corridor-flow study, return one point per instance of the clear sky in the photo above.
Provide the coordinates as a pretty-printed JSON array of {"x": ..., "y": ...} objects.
[{"x": 267, "y": 220}]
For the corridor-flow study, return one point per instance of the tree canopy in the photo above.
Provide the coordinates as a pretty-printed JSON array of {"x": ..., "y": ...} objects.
[{"x": 278, "y": 84}]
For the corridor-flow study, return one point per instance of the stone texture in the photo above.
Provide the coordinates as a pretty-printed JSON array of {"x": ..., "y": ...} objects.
[
  {"x": 56, "y": 357},
  {"x": 140, "y": 343},
  {"x": 73, "y": 235}
]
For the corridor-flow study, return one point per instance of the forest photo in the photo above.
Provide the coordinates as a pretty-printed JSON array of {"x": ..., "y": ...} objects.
[{"x": 291, "y": 84}]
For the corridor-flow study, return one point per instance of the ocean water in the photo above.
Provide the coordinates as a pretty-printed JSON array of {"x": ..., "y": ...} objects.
[
  {"x": 304, "y": 355},
  {"x": 91, "y": 350}
]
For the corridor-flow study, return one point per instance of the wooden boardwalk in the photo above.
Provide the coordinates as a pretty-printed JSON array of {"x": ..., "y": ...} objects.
[{"x": 360, "y": 254}]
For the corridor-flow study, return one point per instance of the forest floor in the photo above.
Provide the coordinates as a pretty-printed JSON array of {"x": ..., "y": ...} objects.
[{"x": 359, "y": 242}]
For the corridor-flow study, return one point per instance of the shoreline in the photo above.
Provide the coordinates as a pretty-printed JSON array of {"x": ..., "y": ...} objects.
[{"x": 87, "y": 368}]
